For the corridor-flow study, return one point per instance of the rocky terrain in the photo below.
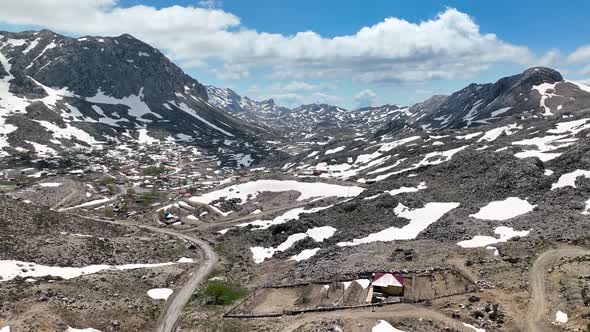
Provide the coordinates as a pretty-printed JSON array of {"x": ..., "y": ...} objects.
[{"x": 82, "y": 93}]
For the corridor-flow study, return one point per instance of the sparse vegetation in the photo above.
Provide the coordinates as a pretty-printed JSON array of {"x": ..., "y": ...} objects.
[
  {"x": 150, "y": 197},
  {"x": 217, "y": 292},
  {"x": 106, "y": 180},
  {"x": 154, "y": 170}
]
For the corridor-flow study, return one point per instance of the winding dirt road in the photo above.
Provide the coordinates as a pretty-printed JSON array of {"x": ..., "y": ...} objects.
[
  {"x": 538, "y": 302},
  {"x": 396, "y": 311},
  {"x": 181, "y": 296}
]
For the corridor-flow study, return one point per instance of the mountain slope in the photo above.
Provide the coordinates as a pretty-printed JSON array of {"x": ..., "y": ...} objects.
[
  {"x": 59, "y": 92},
  {"x": 544, "y": 119},
  {"x": 316, "y": 123}
]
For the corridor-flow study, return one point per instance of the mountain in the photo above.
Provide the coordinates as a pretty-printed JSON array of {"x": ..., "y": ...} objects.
[
  {"x": 521, "y": 113},
  {"x": 307, "y": 124},
  {"x": 61, "y": 93}
]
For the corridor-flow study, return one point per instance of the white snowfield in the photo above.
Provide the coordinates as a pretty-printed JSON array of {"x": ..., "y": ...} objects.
[
  {"x": 185, "y": 260},
  {"x": 87, "y": 204},
  {"x": 569, "y": 179},
  {"x": 5, "y": 329},
  {"x": 384, "y": 326},
  {"x": 305, "y": 254},
  {"x": 544, "y": 146},
  {"x": 400, "y": 190},
  {"x": 160, "y": 293},
  {"x": 561, "y": 317},
  {"x": 493, "y": 134},
  {"x": 335, "y": 150},
  {"x": 10, "y": 269},
  {"x": 49, "y": 185},
  {"x": 503, "y": 210},
  {"x": 587, "y": 208},
  {"x": 542, "y": 89},
  {"x": 504, "y": 234},
  {"x": 319, "y": 234},
  {"x": 285, "y": 217},
  {"x": 307, "y": 190},
  {"x": 364, "y": 283},
  {"x": 473, "y": 328},
  {"x": 419, "y": 218},
  {"x": 431, "y": 158},
  {"x": 71, "y": 329}
]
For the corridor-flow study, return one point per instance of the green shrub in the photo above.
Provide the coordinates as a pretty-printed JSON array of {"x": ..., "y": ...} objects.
[
  {"x": 218, "y": 292},
  {"x": 107, "y": 180},
  {"x": 150, "y": 197},
  {"x": 154, "y": 170}
]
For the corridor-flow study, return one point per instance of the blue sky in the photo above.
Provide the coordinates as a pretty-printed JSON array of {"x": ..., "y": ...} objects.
[{"x": 350, "y": 53}]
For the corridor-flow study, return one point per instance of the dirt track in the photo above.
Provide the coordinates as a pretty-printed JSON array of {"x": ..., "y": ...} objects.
[
  {"x": 180, "y": 297},
  {"x": 392, "y": 312},
  {"x": 538, "y": 302}
]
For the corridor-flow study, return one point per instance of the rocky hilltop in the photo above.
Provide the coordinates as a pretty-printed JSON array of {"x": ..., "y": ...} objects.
[{"x": 59, "y": 92}]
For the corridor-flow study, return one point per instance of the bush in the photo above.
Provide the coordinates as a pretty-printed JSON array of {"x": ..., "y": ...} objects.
[
  {"x": 149, "y": 198},
  {"x": 107, "y": 180},
  {"x": 109, "y": 213},
  {"x": 154, "y": 170},
  {"x": 218, "y": 292}
]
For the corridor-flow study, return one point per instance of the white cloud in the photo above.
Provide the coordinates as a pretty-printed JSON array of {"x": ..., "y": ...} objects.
[
  {"x": 232, "y": 71},
  {"x": 324, "y": 98},
  {"x": 365, "y": 98},
  {"x": 447, "y": 46},
  {"x": 210, "y": 3},
  {"x": 582, "y": 54},
  {"x": 551, "y": 58},
  {"x": 585, "y": 70}
]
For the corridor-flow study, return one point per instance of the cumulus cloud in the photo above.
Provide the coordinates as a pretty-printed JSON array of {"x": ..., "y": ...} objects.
[
  {"x": 582, "y": 54},
  {"x": 365, "y": 98},
  {"x": 210, "y": 3},
  {"x": 551, "y": 58},
  {"x": 232, "y": 71},
  {"x": 449, "y": 45}
]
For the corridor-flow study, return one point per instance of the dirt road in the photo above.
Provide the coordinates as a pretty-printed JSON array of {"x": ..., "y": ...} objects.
[
  {"x": 538, "y": 302},
  {"x": 398, "y": 311},
  {"x": 65, "y": 200},
  {"x": 180, "y": 297}
]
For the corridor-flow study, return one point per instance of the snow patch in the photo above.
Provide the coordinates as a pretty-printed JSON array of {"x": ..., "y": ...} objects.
[
  {"x": 504, "y": 234},
  {"x": 569, "y": 179},
  {"x": 10, "y": 269},
  {"x": 305, "y": 254},
  {"x": 561, "y": 317},
  {"x": 384, "y": 326},
  {"x": 419, "y": 218},
  {"x": 307, "y": 190},
  {"x": 160, "y": 293},
  {"x": 503, "y": 210}
]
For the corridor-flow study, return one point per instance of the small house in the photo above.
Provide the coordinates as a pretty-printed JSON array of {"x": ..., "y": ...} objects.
[{"x": 388, "y": 284}]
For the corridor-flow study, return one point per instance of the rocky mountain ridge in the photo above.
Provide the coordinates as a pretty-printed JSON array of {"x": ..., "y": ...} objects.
[{"x": 62, "y": 93}]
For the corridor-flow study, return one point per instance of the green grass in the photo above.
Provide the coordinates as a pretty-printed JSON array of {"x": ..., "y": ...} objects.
[
  {"x": 217, "y": 292},
  {"x": 154, "y": 170},
  {"x": 150, "y": 197}
]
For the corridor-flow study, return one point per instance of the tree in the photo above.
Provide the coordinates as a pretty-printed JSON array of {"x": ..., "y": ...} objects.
[{"x": 109, "y": 213}]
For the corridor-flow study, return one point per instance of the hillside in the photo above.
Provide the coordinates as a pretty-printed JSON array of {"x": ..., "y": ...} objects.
[{"x": 65, "y": 93}]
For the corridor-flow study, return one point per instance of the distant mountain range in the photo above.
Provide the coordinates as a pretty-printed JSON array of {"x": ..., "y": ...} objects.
[
  {"x": 59, "y": 93},
  {"x": 312, "y": 121}
]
